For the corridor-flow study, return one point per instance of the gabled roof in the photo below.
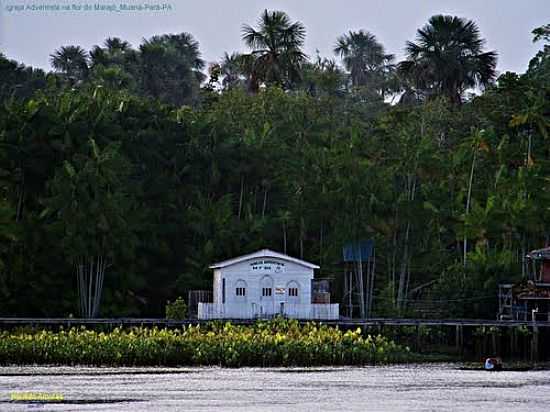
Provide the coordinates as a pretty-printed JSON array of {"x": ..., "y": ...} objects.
[
  {"x": 264, "y": 253},
  {"x": 542, "y": 254}
]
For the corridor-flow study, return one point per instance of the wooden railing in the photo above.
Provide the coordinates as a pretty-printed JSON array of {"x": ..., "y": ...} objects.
[{"x": 255, "y": 311}]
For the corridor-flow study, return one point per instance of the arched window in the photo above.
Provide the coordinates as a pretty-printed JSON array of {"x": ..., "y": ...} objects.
[
  {"x": 293, "y": 292},
  {"x": 266, "y": 285},
  {"x": 240, "y": 289}
]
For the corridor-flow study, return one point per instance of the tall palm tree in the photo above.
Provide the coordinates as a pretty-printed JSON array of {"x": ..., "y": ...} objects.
[
  {"x": 276, "y": 45},
  {"x": 365, "y": 58},
  {"x": 115, "y": 51},
  {"x": 116, "y": 44},
  {"x": 72, "y": 61},
  {"x": 323, "y": 76},
  {"x": 183, "y": 47},
  {"x": 448, "y": 58},
  {"x": 172, "y": 67},
  {"x": 187, "y": 47},
  {"x": 233, "y": 70},
  {"x": 114, "y": 65}
]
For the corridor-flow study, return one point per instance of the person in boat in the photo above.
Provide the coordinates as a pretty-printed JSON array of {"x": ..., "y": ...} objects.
[{"x": 493, "y": 364}]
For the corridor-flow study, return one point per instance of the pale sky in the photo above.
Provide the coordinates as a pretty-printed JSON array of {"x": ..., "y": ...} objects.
[{"x": 30, "y": 36}]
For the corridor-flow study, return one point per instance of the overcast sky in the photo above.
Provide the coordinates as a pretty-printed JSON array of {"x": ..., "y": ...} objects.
[{"x": 31, "y": 36}]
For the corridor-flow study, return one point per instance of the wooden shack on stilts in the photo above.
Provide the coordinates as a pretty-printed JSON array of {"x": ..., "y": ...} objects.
[{"x": 528, "y": 299}]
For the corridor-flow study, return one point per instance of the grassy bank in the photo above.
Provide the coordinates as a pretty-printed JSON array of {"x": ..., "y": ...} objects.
[{"x": 274, "y": 343}]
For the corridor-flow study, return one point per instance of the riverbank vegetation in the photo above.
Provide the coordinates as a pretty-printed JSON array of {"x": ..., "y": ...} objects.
[
  {"x": 274, "y": 343},
  {"x": 126, "y": 170}
]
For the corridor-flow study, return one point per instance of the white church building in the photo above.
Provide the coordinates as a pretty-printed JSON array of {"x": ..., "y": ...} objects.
[{"x": 264, "y": 284}]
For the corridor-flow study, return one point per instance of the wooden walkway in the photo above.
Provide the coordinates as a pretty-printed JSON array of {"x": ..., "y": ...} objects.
[{"x": 371, "y": 322}]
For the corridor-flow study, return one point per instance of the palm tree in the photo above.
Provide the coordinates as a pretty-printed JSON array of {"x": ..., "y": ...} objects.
[
  {"x": 92, "y": 187},
  {"x": 232, "y": 69},
  {"x": 115, "y": 51},
  {"x": 447, "y": 58},
  {"x": 365, "y": 58},
  {"x": 116, "y": 44},
  {"x": 114, "y": 65},
  {"x": 72, "y": 61},
  {"x": 171, "y": 67},
  {"x": 541, "y": 33},
  {"x": 187, "y": 48},
  {"x": 323, "y": 77},
  {"x": 276, "y": 45}
]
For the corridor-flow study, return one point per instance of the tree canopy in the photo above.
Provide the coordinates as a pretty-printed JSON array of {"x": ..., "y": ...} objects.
[
  {"x": 126, "y": 172},
  {"x": 448, "y": 58}
]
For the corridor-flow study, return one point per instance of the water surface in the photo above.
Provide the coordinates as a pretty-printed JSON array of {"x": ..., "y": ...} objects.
[{"x": 434, "y": 387}]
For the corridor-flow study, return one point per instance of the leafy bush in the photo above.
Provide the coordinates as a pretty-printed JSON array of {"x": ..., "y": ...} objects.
[
  {"x": 274, "y": 343},
  {"x": 176, "y": 310},
  {"x": 471, "y": 292}
]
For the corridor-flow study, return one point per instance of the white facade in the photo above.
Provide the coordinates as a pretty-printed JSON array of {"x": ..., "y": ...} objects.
[{"x": 264, "y": 284}]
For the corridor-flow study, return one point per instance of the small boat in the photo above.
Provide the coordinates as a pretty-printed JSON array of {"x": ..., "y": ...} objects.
[
  {"x": 493, "y": 364},
  {"x": 509, "y": 367}
]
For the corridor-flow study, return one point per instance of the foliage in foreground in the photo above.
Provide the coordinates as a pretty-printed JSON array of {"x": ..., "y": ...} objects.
[{"x": 276, "y": 343}]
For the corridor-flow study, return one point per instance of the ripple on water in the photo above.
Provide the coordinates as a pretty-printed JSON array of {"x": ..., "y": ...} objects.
[{"x": 399, "y": 387}]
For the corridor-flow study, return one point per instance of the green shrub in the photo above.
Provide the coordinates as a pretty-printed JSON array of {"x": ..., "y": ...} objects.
[
  {"x": 274, "y": 343},
  {"x": 176, "y": 310}
]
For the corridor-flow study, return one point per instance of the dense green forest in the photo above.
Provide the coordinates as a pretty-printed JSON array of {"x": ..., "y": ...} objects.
[{"x": 138, "y": 167}]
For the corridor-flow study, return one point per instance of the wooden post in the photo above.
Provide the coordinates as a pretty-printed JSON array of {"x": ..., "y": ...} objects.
[
  {"x": 512, "y": 341},
  {"x": 351, "y": 293},
  {"x": 535, "y": 337},
  {"x": 361, "y": 286},
  {"x": 458, "y": 339},
  {"x": 535, "y": 344},
  {"x": 418, "y": 343}
]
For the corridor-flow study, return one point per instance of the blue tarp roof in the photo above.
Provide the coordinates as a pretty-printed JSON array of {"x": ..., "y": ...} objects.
[{"x": 358, "y": 251}]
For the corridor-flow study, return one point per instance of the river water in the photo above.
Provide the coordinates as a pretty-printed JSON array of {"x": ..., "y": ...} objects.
[{"x": 433, "y": 387}]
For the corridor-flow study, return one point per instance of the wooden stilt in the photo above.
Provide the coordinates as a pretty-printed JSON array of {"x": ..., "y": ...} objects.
[
  {"x": 512, "y": 342},
  {"x": 535, "y": 344}
]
